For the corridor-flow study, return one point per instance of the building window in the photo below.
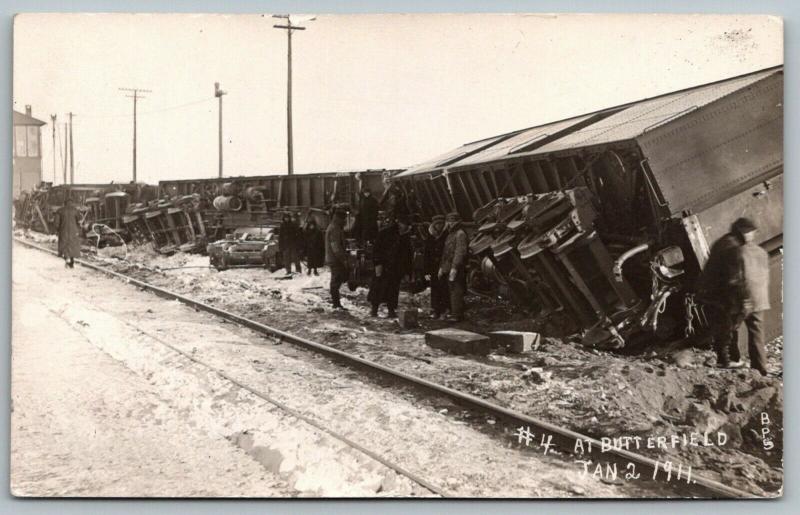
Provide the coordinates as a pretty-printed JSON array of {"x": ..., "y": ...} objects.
[
  {"x": 26, "y": 141},
  {"x": 33, "y": 141},
  {"x": 20, "y": 141}
]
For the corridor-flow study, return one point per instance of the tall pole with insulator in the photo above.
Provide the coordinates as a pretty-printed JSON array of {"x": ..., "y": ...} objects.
[
  {"x": 137, "y": 95},
  {"x": 71, "y": 153},
  {"x": 219, "y": 93},
  {"x": 53, "y": 120},
  {"x": 288, "y": 28}
]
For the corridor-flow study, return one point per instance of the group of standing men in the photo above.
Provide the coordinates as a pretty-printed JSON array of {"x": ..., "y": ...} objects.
[
  {"x": 295, "y": 243},
  {"x": 445, "y": 255}
]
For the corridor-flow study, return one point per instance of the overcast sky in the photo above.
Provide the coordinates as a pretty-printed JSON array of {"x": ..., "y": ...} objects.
[{"x": 370, "y": 91}]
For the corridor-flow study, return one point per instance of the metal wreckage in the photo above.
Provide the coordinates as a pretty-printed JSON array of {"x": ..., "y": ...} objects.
[
  {"x": 598, "y": 224},
  {"x": 233, "y": 220},
  {"x": 601, "y": 223}
]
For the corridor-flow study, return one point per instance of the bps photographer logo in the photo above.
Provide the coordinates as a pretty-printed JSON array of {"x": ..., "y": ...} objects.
[{"x": 765, "y": 432}]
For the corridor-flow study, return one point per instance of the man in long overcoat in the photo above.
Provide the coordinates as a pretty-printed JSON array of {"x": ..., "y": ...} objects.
[
  {"x": 69, "y": 233},
  {"x": 392, "y": 257}
]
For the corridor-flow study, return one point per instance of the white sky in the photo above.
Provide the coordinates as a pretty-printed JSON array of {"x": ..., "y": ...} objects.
[{"x": 370, "y": 91}]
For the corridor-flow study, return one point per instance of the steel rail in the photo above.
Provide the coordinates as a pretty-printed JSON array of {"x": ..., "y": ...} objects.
[
  {"x": 416, "y": 478},
  {"x": 566, "y": 438}
]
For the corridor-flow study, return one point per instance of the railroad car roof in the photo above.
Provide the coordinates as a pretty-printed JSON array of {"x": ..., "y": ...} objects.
[{"x": 619, "y": 123}]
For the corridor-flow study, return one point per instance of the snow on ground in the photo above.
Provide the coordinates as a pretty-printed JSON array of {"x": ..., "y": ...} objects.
[
  {"x": 669, "y": 389},
  {"x": 83, "y": 424},
  {"x": 103, "y": 407}
]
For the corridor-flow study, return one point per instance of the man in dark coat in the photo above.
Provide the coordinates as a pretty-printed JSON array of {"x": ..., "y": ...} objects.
[
  {"x": 314, "y": 243},
  {"x": 366, "y": 223},
  {"x": 753, "y": 288},
  {"x": 392, "y": 257},
  {"x": 734, "y": 289},
  {"x": 453, "y": 266},
  {"x": 336, "y": 256},
  {"x": 289, "y": 243},
  {"x": 394, "y": 202},
  {"x": 69, "y": 233},
  {"x": 434, "y": 247}
]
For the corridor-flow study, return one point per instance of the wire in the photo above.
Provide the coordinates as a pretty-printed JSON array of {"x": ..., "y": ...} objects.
[{"x": 144, "y": 113}]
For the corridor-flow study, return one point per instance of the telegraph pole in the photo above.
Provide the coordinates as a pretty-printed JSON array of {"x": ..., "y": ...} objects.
[
  {"x": 288, "y": 28},
  {"x": 53, "y": 120},
  {"x": 66, "y": 152},
  {"x": 218, "y": 93},
  {"x": 136, "y": 96},
  {"x": 71, "y": 153}
]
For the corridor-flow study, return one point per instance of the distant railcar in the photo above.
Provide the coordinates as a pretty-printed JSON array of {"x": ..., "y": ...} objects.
[
  {"x": 102, "y": 206},
  {"x": 258, "y": 201}
]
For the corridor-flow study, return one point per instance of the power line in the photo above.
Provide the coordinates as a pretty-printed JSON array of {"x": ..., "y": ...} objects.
[{"x": 154, "y": 111}]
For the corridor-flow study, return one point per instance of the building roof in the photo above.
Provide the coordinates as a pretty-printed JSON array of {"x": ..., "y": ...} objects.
[
  {"x": 24, "y": 119},
  {"x": 619, "y": 123}
]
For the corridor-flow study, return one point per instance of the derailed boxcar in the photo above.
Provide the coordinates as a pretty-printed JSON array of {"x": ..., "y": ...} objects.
[
  {"x": 234, "y": 205},
  {"x": 604, "y": 221},
  {"x": 253, "y": 201}
]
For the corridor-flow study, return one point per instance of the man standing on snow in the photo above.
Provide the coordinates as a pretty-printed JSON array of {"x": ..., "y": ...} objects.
[
  {"x": 336, "y": 256},
  {"x": 392, "y": 257},
  {"x": 434, "y": 247}
]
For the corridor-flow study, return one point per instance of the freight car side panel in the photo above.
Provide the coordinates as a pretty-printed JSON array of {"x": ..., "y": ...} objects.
[
  {"x": 762, "y": 203},
  {"x": 308, "y": 190},
  {"x": 708, "y": 154},
  {"x": 773, "y": 319}
]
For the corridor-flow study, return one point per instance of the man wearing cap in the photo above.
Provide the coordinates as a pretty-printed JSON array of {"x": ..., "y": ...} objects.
[
  {"x": 336, "y": 256},
  {"x": 453, "y": 266},
  {"x": 734, "y": 286},
  {"x": 753, "y": 295},
  {"x": 392, "y": 257},
  {"x": 434, "y": 247}
]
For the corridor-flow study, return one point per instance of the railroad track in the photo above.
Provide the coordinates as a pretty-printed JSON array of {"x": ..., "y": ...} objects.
[{"x": 562, "y": 438}]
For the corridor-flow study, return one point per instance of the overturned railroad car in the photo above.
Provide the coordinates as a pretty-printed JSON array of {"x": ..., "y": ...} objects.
[
  {"x": 606, "y": 219},
  {"x": 102, "y": 206},
  {"x": 229, "y": 203}
]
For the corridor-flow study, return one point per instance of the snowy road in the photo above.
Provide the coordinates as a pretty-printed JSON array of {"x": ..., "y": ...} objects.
[{"x": 103, "y": 406}]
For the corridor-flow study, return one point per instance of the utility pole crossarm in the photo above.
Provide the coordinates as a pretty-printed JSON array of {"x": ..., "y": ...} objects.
[
  {"x": 136, "y": 96},
  {"x": 289, "y": 28}
]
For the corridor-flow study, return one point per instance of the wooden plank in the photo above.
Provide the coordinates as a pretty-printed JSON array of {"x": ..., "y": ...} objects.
[
  {"x": 467, "y": 196},
  {"x": 42, "y": 218},
  {"x": 488, "y": 195},
  {"x": 519, "y": 171},
  {"x": 539, "y": 181},
  {"x": 476, "y": 190},
  {"x": 577, "y": 279},
  {"x": 551, "y": 174}
]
